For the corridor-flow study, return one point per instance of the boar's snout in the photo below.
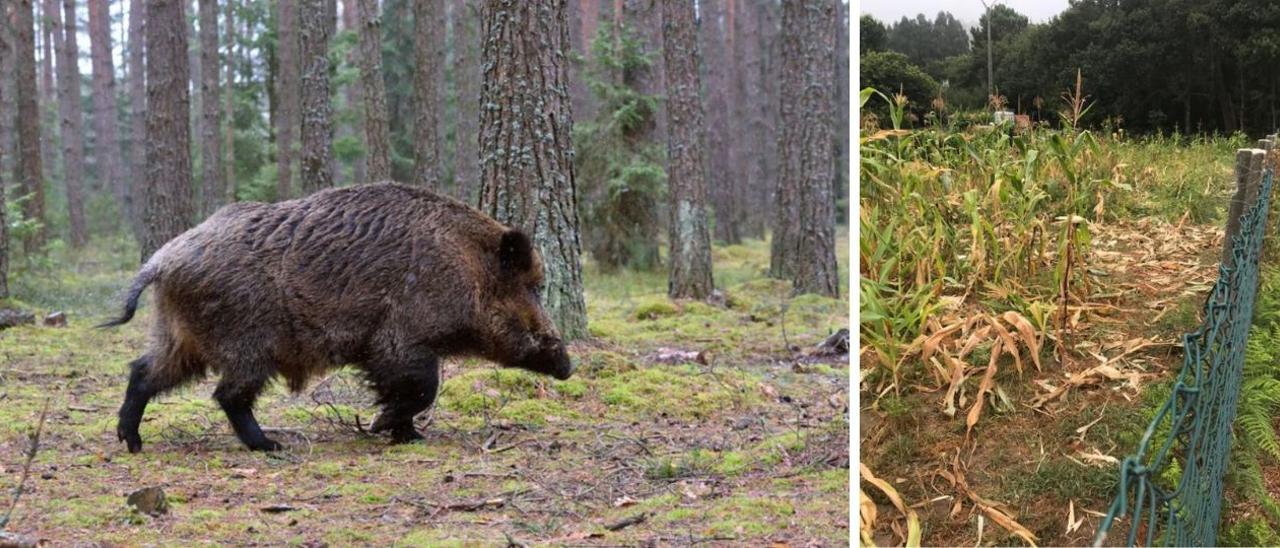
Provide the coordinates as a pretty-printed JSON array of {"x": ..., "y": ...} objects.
[
  {"x": 548, "y": 357},
  {"x": 558, "y": 363}
]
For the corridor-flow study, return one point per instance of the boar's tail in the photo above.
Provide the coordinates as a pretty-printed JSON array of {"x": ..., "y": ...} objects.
[{"x": 140, "y": 282}]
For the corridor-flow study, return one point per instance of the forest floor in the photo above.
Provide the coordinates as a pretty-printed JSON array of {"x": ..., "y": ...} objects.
[
  {"x": 685, "y": 423},
  {"x": 1048, "y": 464}
]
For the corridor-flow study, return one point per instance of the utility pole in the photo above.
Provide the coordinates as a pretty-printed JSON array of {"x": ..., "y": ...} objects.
[{"x": 990, "y": 89}]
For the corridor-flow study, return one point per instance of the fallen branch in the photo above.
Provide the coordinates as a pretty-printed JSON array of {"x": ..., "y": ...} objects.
[{"x": 26, "y": 466}]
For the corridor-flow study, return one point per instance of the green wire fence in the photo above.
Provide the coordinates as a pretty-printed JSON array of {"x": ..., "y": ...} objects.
[{"x": 1195, "y": 422}]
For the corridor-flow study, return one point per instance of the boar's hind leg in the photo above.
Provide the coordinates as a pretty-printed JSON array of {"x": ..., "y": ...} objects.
[
  {"x": 404, "y": 390},
  {"x": 142, "y": 387},
  {"x": 236, "y": 394}
]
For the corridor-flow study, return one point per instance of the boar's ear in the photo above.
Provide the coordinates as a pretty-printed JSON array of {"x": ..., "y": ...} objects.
[{"x": 515, "y": 252}]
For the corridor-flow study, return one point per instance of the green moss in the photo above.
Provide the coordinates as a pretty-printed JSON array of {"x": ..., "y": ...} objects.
[
  {"x": 745, "y": 516},
  {"x": 534, "y": 411},
  {"x": 652, "y": 389},
  {"x": 733, "y": 463},
  {"x": 653, "y": 309},
  {"x": 772, "y": 449},
  {"x": 428, "y": 538}
]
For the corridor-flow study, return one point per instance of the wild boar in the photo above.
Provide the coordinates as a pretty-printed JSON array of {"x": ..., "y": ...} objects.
[{"x": 385, "y": 277}]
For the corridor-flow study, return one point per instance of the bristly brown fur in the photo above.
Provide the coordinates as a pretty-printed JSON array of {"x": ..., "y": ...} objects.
[{"x": 384, "y": 276}]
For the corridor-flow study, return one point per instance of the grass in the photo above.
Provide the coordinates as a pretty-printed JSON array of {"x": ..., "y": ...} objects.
[{"x": 559, "y": 455}]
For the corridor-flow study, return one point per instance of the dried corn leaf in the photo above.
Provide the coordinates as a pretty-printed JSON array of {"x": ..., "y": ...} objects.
[
  {"x": 1028, "y": 334},
  {"x": 1010, "y": 346},
  {"x": 914, "y": 530},
  {"x": 987, "y": 381},
  {"x": 884, "y": 487},
  {"x": 1090, "y": 376},
  {"x": 867, "y": 512},
  {"x": 1010, "y": 524},
  {"x": 957, "y": 378}
]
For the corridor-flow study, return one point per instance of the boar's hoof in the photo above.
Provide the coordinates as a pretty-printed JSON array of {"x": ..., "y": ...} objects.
[
  {"x": 405, "y": 435},
  {"x": 130, "y": 439},
  {"x": 267, "y": 444},
  {"x": 133, "y": 441}
]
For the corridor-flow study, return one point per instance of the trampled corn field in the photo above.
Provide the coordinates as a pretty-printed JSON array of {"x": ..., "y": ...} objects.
[{"x": 1023, "y": 294}]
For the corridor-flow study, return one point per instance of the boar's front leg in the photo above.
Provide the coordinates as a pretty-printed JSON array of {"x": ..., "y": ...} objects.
[
  {"x": 405, "y": 388},
  {"x": 236, "y": 393}
]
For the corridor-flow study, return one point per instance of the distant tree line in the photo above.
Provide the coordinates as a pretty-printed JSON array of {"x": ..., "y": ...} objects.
[{"x": 1186, "y": 65}]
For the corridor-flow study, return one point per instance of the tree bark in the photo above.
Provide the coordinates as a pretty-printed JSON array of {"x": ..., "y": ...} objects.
[
  {"x": 354, "y": 97},
  {"x": 286, "y": 95},
  {"x": 377, "y": 134},
  {"x": 527, "y": 174},
  {"x": 64, "y": 40},
  {"x": 49, "y": 11},
  {"x": 466, "y": 49},
  {"x": 803, "y": 248},
  {"x": 765, "y": 136},
  {"x": 229, "y": 111},
  {"x": 6, "y": 57},
  {"x": 30, "y": 173},
  {"x": 690, "y": 240},
  {"x": 213, "y": 177},
  {"x": 428, "y": 41},
  {"x": 318, "y": 20},
  {"x": 724, "y": 194},
  {"x": 107, "y": 149},
  {"x": 8, "y": 138},
  {"x": 167, "y": 208},
  {"x": 137, "y": 113},
  {"x": 840, "y": 177},
  {"x": 586, "y": 23}
]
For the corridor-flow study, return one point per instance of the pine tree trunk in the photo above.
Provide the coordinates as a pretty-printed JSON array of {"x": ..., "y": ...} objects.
[
  {"x": 645, "y": 16},
  {"x": 137, "y": 114},
  {"x": 466, "y": 49},
  {"x": 690, "y": 274},
  {"x": 748, "y": 116},
  {"x": 6, "y": 57},
  {"x": 804, "y": 224},
  {"x": 107, "y": 148},
  {"x": 355, "y": 91},
  {"x": 286, "y": 95},
  {"x": 318, "y": 19},
  {"x": 49, "y": 11},
  {"x": 213, "y": 177},
  {"x": 8, "y": 138},
  {"x": 527, "y": 174},
  {"x": 428, "y": 39},
  {"x": 588, "y": 15},
  {"x": 30, "y": 169},
  {"x": 229, "y": 110},
  {"x": 761, "y": 196},
  {"x": 72, "y": 119},
  {"x": 718, "y": 89},
  {"x": 841, "y": 99},
  {"x": 167, "y": 208},
  {"x": 377, "y": 134}
]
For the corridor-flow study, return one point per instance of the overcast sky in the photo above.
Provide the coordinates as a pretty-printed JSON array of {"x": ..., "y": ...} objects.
[{"x": 967, "y": 11}]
